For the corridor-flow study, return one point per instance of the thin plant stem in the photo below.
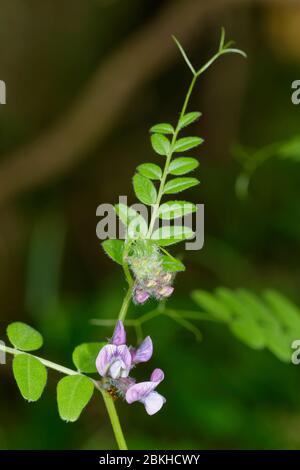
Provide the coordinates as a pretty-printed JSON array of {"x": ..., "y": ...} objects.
[
  {"x": 125, "y": 304},
  {"x": 185, "y": 323},
  {"x": 49, "y": 364},
  {"x": 149, "y": 316},
  {"x": 127, "y": 274},
  {"x": 139, "y": 331},
  {"x": 127, "y": 298},
  {"x": 114, "y": 419},
  {"x": 193, "y": 315}
]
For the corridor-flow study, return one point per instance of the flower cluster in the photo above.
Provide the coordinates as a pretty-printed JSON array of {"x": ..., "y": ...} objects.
[
  {"x": 114, "y": 363},
  {"x": 151, "y": 280}
]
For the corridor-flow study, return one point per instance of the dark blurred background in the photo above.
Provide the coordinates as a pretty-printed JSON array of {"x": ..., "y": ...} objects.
[{"x": 85, "y": 81}]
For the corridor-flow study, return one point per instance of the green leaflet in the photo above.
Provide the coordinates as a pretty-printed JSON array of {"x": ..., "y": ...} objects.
[
  {"x": 160, "y": 144},
  {"x": 30, "y": 375},
  {"x": 173, "y": 209},
  {"x": 177, "y": 185},
  {"x": 73, "y": 394},
  {"x": 114, "y": 249},
  {"x": 126, "y": 214},
  {"x": 260, "y": 311},
  {"x": 276, "y": 339},
  {"x": 162, "y": 128},
  {"x": 150, "y": 170},
  {"x": 248, "y": 331},
  {"x": 270, "y": 321},
  {"x": 84, "y": 357},
  {"x": 183, "y": 165},
  {"x": 188, "y": 119},
  {"x": 172, "y": 265},
  {"x": 144, "y": 189},
  {"x": 24, "y": 337},
  {"x": 187, "y": 143},
  {"x": 286, "y": 312},
  {"x": 165, "y": 236},
  {"x": 242, "y": 325},
  {"x": 135, "y": 222}
]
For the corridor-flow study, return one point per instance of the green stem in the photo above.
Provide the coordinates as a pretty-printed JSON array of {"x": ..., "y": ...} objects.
[
  {"x": 114, "y": 419},
  {"x": 127, "y": 274},
  {"x": 186, "y": 101},
  {"x": 125, "y": 264},
  {"x": 49, "y": 364},
  {"x": 125, "y": 304},
  {"x": 127, "y": 298},
  {"x": 139, "y": 332},
  {"x": 185, "y": 323},
  {"x": 193, "y": 315},
  {"x": 149, "y": 316}
]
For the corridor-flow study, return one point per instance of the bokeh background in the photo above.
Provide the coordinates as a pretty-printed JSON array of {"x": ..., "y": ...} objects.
[{"x": 85, "y": 81}]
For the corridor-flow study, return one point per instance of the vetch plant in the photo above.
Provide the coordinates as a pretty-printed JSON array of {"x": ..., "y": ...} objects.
[{"x": 149, "y": 270}]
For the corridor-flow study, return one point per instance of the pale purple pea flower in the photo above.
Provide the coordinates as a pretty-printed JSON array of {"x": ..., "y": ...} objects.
[
  {"x": 165, "y": 292},
  {"x": 140, "y": 296},
  {"x": 157, "y": 286},
  {"x": 119, "y": 336},
  {"x": 114, "y": 362},
  {"x": 143, "y": 353},
  {"x": 145, "y": 393}
]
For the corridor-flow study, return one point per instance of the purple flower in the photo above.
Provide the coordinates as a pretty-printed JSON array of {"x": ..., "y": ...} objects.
[
  {"x": 145, "y": 393},
  {"x": 119, "y": 336},
  {"x": 157, "y": 376},
  {"x": 165, "y": 291},
  {"x": 114, "y": 361},
  {"x": 143, "y": 353},
  {"x": 140, "y": 296}
]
